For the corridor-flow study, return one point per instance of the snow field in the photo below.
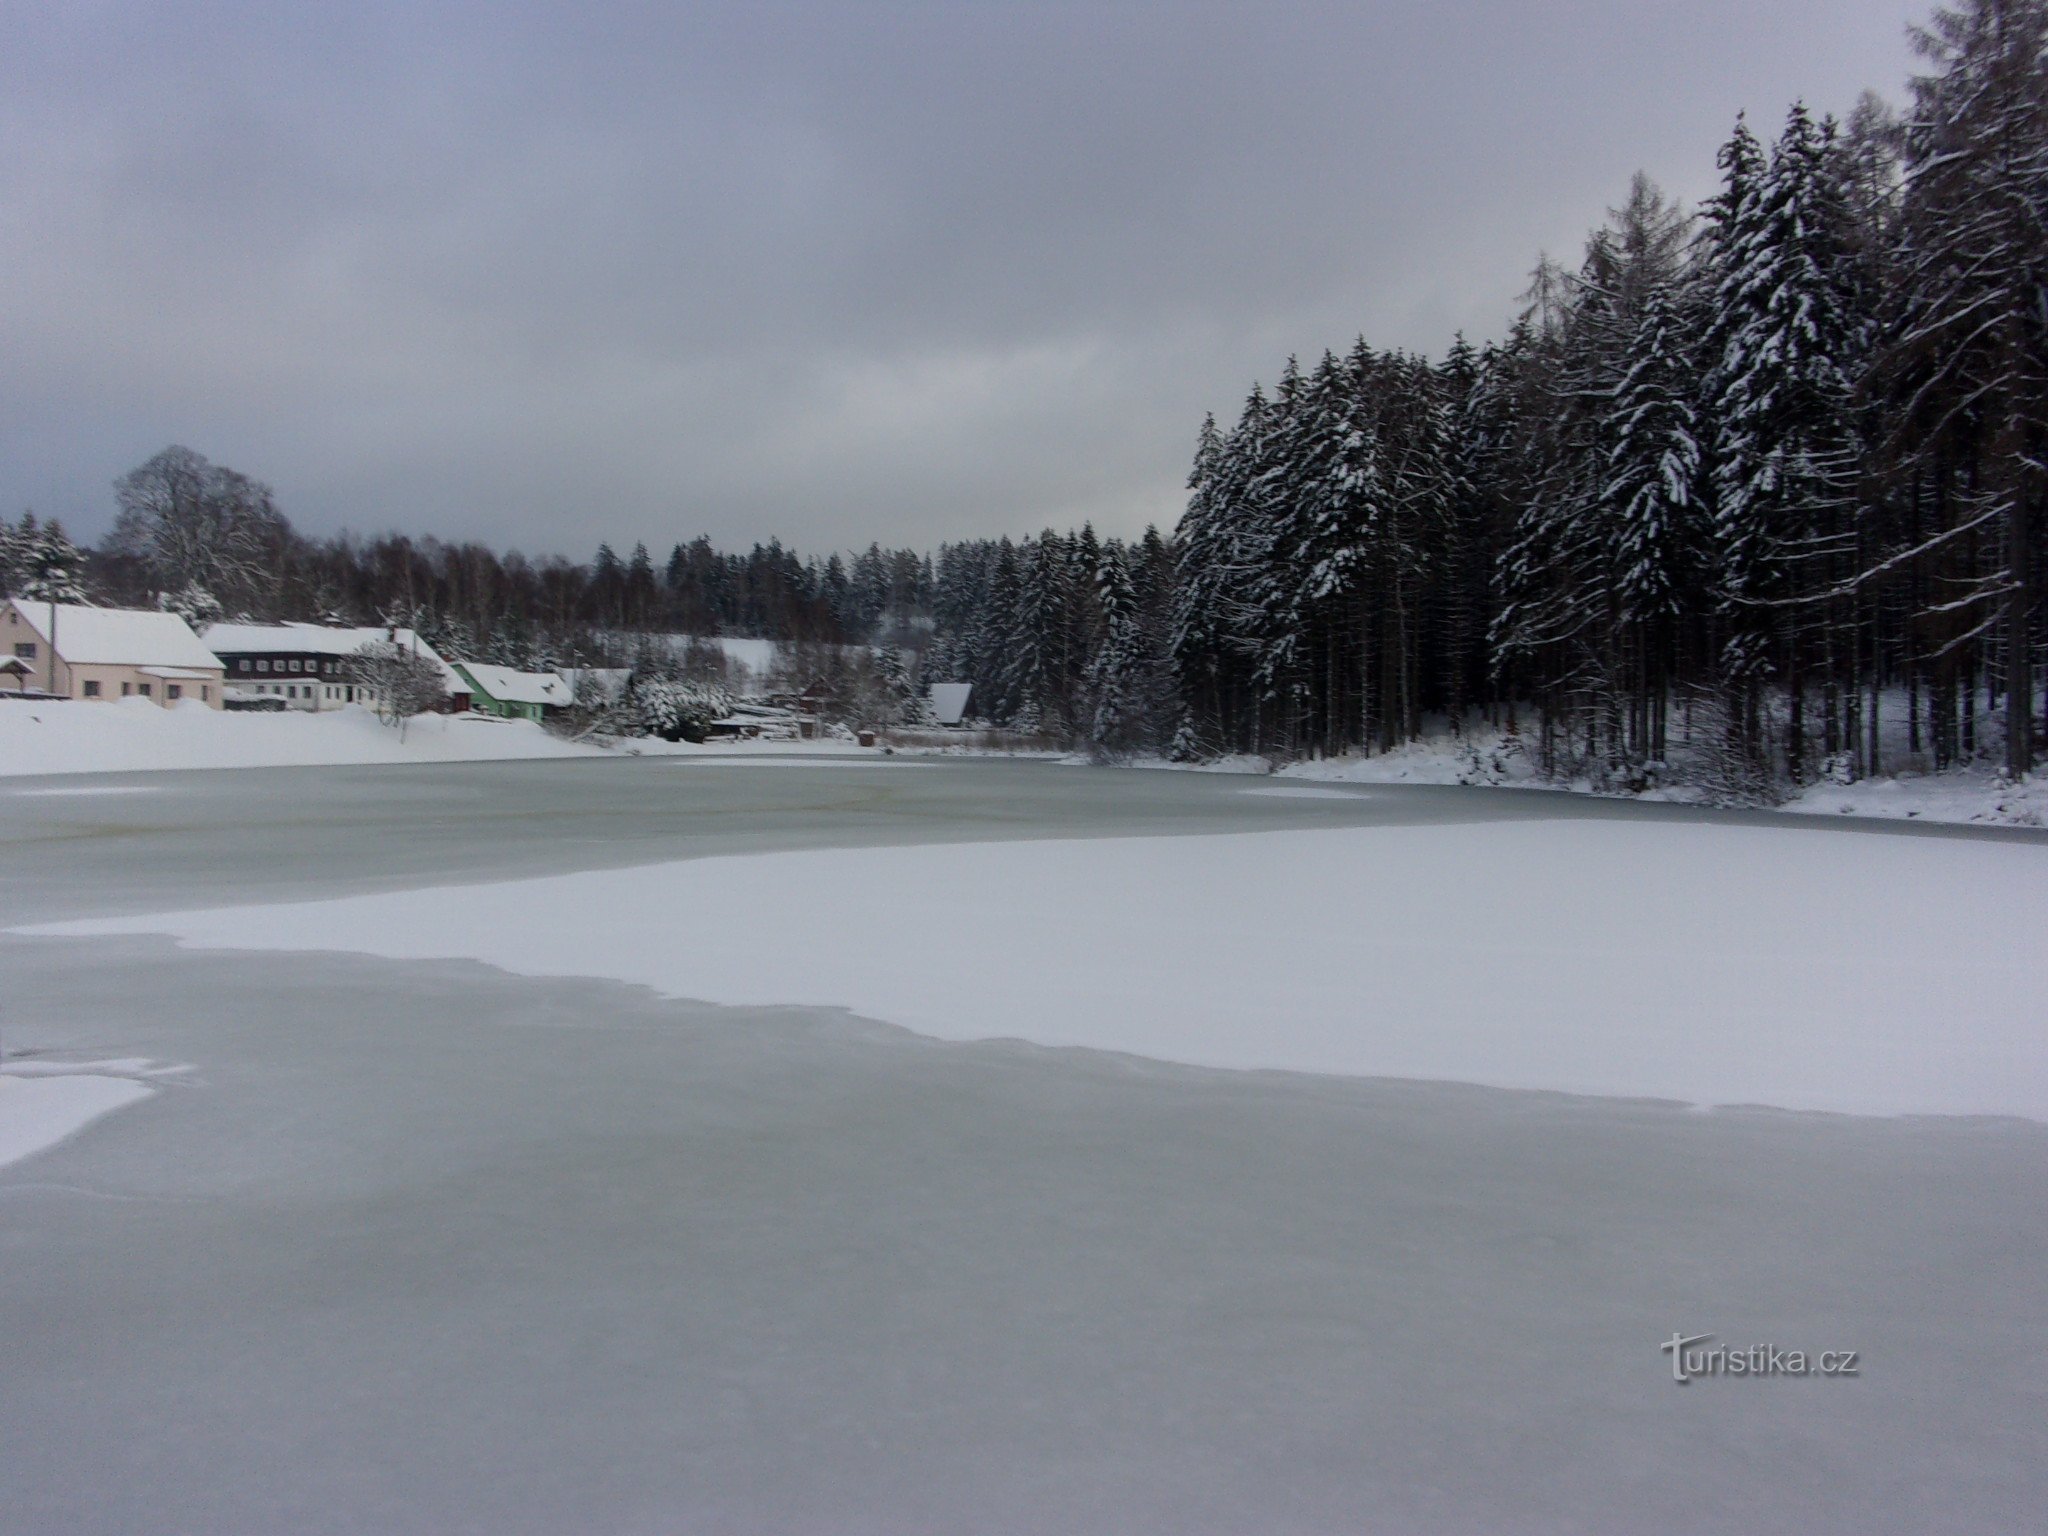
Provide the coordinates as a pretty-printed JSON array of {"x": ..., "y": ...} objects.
[{"x": 122, "y": 736}]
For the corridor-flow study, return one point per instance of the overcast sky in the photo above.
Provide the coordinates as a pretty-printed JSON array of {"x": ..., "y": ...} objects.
[{"x": 833, "y": 272}]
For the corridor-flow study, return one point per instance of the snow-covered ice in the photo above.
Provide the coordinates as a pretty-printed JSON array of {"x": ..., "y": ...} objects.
[
  {"x": 1298, "y": 792},
  {"x": 38, "y": 1110},
  {"x": 1708, "y": 963}
]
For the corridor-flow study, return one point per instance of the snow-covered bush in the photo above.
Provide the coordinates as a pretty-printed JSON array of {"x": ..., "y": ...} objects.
[
  {"x": 1187, "y": 745},
  {"x": 194, "y": 604}
]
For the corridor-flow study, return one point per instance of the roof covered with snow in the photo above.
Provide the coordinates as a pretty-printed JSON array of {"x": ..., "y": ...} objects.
[
  {"x": 118, "y": 637},
  {"x": 512, "y": 687},
  {"x": 323, "y": 640},
  {"x": 949, "y": 702}
]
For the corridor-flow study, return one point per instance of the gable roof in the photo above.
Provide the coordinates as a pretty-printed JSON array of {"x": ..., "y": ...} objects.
[
  {"x": 118, "y": 637},
  {"x": 508, "y": 686},
  {"x": 324, "y": 640},
  {"x": 949, "y": 701}
]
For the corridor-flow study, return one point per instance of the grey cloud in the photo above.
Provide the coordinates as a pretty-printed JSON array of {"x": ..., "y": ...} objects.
[{"x": 833, "y": 272}]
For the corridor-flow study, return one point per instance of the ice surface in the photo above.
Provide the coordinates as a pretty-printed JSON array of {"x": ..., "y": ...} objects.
[
  {"x": 425, "y": 1247},
  {"x": 1707, "y": 963},
  {"x": 435, "y": 1249}
]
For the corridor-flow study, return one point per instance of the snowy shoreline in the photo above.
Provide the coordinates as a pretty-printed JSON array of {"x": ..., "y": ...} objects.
[{"x": 73, "y": 740}]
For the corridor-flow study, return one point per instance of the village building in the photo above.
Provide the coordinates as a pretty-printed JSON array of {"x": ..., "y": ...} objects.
[
  {"x": 513, "y": 694},
  {"x": 70, "y": 651},
  {"x": 308, "y": 666},
  {"x": 949, "y": 702}
]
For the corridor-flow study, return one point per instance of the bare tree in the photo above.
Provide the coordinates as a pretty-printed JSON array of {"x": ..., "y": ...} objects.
[
  {"x": 192, "y": 523},
  {"x": 399, "y": 682}
]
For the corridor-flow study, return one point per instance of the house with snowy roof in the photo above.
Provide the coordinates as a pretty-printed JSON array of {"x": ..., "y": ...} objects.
[
  {"x": 515, "y": 695},
  {"x": 74, "y": 652},
  {"x": 308, "y": 666}
]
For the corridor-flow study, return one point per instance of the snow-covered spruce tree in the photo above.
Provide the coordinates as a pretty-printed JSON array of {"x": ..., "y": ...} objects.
[
  {"x": 1225, "y": 545},
  {"x": 1414, "y": 436},
  {"x": 897, "y": 695},
  {"x": 49, "y": 567},
  {"x": 1118, "y": 721},
  {"x": 12, "y": 549},
  {"x": 992, "y": 638},
  {"x": 1194, "y": 619},
  {"x": 1964, "y": 369},
  {"x": 1342, "y": 512},
  {"x": 674, "y": 709},
  {"x": 1550, "y": 575},
  {"x": 1652, "y": 511},
  {"x": 1284, "y": 484},
  {"x": 1788, "y": 446},
  {"x": 1037, "y": 662}
]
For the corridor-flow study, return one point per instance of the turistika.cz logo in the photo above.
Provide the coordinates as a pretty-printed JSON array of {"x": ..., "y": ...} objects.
[{"x": 1690, "y": 1360}]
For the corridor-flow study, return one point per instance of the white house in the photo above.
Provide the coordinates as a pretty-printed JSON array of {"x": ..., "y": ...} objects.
[
  {"x": 77, "y": 652},
  {"x": 306, "y": 665}
]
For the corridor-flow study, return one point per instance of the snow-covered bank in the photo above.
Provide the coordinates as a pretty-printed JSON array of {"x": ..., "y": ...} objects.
[
  {"x": 130, "y": 735},
  {"x": 1968, "y": 795},
  {"x": 1713, "y": 964},
  {"x": 39, "y": 1110}
]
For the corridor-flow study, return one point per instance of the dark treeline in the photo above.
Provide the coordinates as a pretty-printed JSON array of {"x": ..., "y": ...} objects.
[
  {"x": 1749, "y": 476},
  {"x": 1745, "y": 488}
]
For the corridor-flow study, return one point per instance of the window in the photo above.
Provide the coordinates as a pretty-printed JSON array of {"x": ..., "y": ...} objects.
[
  {"x": 171, "y": 691},
  {"x": 262, "y": 666},
  {"x": 205, "y": 693},
  {"x": 296, "y": 666},
  {"x": 126, "y": 689},
  {"x": 143, "y": 689},
  {"x": 26, "y": 650},
  {"x": 92, "y": 688}
]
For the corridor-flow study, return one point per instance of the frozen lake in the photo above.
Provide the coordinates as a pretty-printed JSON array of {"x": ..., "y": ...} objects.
[{"x": 422, "y": 1246}]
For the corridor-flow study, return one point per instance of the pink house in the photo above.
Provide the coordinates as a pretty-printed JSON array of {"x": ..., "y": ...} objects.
[{"x": 76, "y": 652}]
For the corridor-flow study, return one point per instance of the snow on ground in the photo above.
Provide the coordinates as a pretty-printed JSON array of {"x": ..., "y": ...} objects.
[
  {"x": 1711, "y": 964},
  {"x": 127, "y": 735},
  {"x": 817, "y": 760},
  {"x": 1973, "y": 794},
  {"x": 1961, "y": 795},
  {"x": 40, "y": 1109},
  {"x": 74, "y": 791}
]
